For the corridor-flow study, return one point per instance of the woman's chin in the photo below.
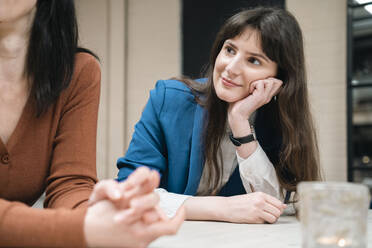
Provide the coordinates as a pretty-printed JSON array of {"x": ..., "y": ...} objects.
[
  {"x": 228, "y": 98},
  {"x": 228, "y": 95}
]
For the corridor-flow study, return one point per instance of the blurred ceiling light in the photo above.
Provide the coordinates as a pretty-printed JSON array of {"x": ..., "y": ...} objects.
[
  {"x": 367, "y": 7},
  {"x": 363, "y": 1}
]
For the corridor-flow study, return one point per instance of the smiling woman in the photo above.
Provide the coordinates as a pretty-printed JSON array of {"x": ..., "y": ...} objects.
[
  {"x": 241, "y": 62},
  {"x": 240, "y": 140}
]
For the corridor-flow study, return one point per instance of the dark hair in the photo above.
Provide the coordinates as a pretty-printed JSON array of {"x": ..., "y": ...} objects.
[
  {"x": 284, "y": 127},
  {"x": 51, "y": 51}
]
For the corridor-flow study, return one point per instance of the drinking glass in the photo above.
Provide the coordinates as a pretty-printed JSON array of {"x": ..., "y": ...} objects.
[{"x": 333, "y": 214}]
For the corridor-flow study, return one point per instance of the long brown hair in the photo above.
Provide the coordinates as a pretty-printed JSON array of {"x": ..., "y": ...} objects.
[{"x": 284, "y": 127}]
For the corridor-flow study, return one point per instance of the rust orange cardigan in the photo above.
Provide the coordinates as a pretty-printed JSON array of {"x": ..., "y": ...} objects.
[{"x": 55, "y": 153}]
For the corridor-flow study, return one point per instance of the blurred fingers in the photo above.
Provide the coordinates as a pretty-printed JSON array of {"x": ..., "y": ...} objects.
[
  {"x": 139, "y": 176},
  {"x": 137, "y": 206},
  {"x": 145, "y": 202},
  {"x": 154, "y": 179},
  {"x": 161, "y": 213},
  {"x": 147, "y": 181},
  {"x": 127, "y": 216},
  {"x": 148, "y": 217},
  {"x": 169, "y": 227},
  {"x": 151, "y": 216},
  {"x": 105, "y": 189}
]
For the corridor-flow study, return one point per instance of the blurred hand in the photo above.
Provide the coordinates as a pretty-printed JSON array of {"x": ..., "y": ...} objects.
[
  {"x": 141, "y": 181},
  {"x": 127, "y": 214},
  {"x": 103, "y": 228}
]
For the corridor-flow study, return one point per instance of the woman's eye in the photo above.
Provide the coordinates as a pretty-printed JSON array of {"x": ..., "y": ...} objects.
[
  {"x": 229, "y": 50},
  {"x": 254, "y": 61}
]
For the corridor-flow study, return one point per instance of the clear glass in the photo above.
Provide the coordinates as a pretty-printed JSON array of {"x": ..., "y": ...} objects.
[{"x": 333, "y": 214}]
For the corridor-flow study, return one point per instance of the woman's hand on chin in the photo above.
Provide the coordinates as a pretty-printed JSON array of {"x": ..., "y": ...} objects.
[{"x": 260, "y": 93}]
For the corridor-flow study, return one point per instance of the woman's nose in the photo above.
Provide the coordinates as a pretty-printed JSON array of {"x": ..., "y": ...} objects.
[{"x": 233, "y": 67}]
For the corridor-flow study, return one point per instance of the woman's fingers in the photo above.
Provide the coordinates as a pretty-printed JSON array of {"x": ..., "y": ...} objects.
[
  {"x": 154, "y": 215},
  {"x": 127, "y": 216},
  {"x": 151, "y": 216},
  {"x": 168, "y": 227},
  {"x": 260, "y": 86},
  {"x": 141, "y": 182},
  {"x": 145, "y": 202},
  {"x": 276, "y": 86},
  {"x": 268, "y": 217},
  {"x": 272, "y": 210},
  {"x": 137, "y": 207},
  {"x": 154, "y": 179},
  {"x": 154, "y": 220},
  {"x": 267, "y": 208},
  {"x": 105, "y": 189},
  {"x": 275, "y": 202},
  {"x": 266, "y": 88},
  {"x": 252, "y": 87},
  {"x": 139, "y": 176},
  {"x": 146, "y": 180}
]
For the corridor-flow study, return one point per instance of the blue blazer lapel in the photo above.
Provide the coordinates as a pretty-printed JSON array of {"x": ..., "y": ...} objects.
[{"x": 197, "y": 153}]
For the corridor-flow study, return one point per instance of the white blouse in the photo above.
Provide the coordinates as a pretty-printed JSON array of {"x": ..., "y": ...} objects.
[{"x": 256, "y": 172}]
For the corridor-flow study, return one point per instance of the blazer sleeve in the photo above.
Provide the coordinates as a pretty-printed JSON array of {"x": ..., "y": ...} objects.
[
  {"x": 73, "y": 163},
  {"x": 148, "y": 146}
]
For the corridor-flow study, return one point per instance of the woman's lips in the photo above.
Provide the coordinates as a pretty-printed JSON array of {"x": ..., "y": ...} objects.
[{"x": 229, "y": 83}]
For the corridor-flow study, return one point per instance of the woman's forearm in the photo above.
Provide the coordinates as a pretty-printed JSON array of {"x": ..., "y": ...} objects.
[
  {"x": 206, "y": 208},
  {"x": 240, "y": 127},
  {"x": 254, "y": 207}
]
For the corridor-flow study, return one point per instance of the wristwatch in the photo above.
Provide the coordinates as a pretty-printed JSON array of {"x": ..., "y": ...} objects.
[{"x": 241, "y": 140}]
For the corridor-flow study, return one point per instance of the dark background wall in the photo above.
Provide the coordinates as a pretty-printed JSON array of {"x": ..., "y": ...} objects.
[{"x": 201, "y": 20}]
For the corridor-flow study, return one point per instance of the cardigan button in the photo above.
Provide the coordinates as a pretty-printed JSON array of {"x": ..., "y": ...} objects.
[{"x": 5, "y": 159}]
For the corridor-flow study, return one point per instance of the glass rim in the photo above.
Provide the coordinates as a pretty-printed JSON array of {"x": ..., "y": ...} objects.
[{"x": 331, "y": 185}]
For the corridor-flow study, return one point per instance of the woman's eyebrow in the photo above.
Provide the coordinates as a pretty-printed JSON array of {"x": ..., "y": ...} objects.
[
  {"x": 259, "y": 55},
  {"x": 229, "y": 42}
]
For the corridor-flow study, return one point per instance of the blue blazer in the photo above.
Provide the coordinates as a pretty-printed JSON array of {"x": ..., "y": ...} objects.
[{"x": 168, "y": 139}]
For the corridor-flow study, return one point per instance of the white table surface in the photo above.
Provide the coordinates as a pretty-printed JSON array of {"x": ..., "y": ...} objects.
[{"x": 208, "y": 234}]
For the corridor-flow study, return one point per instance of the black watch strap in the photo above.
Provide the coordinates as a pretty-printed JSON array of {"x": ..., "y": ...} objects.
[{"x": 241, "y": 140}]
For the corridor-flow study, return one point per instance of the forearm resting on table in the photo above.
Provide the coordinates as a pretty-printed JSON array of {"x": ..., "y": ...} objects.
[{"x": 206, "y": 208}]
